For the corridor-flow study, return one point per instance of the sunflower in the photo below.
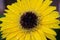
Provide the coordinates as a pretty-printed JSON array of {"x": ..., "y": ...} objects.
[{"x": 30, "y": 20}]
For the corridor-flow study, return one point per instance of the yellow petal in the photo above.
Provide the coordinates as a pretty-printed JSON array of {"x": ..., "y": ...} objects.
[
  {"x": 36, "y": 36},
  {"x": 11, "y": 35},
  {"x": 23, "y": 37},
  {"x": 27, "y": 37},
  {"x": 51, "y": 37},
  {"x": 49, "y": 21},
  {"x": 10, "y": 30},
  {"x": 36, "y": 4},
  {"x": 4, "y": 35},
  {"x": 53, "y": 26},
  {"x": 45, "y": 5},
  {"x": 43, "y": 37},
  {"x": 25, "y": 4},
  {"x": 20, "y": 35},
  {"x": 48, "y": 11},
  {"x": 52, "y": 15},
  {"x": 48, "y": 31}
]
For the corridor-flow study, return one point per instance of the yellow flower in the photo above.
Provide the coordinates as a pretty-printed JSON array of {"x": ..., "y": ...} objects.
[{"x": 30, "y": 20}]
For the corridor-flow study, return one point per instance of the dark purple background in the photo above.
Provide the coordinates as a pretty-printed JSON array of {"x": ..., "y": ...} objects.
[{"x": 1, "y": 6}]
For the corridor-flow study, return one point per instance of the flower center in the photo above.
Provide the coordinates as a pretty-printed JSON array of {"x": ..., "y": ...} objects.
[{"x": 28, "y": 20}]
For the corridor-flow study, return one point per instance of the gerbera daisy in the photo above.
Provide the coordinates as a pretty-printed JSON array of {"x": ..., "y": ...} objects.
[{"x": 30, "y": 20}]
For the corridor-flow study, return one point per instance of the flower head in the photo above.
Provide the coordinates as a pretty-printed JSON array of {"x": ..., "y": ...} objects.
[{"x": 30, "y": 20}]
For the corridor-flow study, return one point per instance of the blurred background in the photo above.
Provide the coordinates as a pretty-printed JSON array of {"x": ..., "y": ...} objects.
[{"x": 4, "y": 3}]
